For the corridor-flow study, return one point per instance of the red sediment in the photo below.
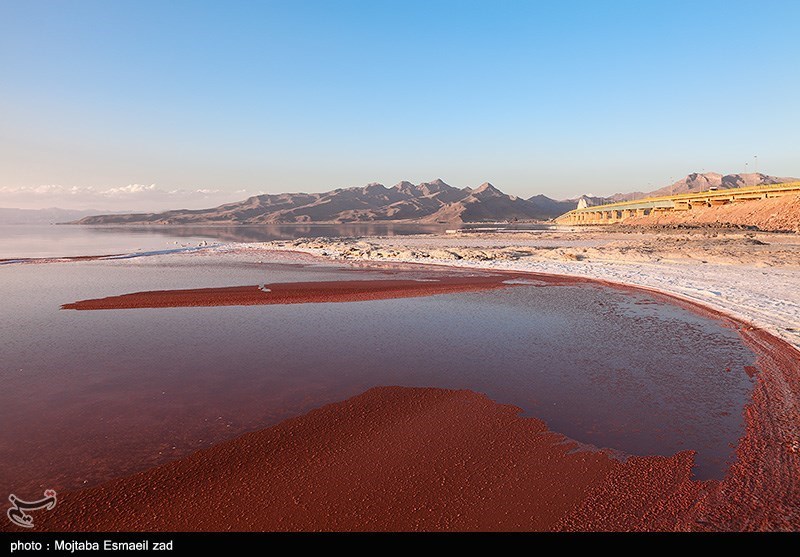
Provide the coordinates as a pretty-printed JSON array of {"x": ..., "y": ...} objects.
[
  {"x": 393, "y": 458},
  {"x": 398, "y": 458},
  {"x": 293, "y": 293},
  {"x": 761, "y": 491},
  {"x": 762, "y": 488}
]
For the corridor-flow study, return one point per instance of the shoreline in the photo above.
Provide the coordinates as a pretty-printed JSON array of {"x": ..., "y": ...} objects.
[
  {"x": 759, "y": 492},
  {"x": 744, "y": 290}
]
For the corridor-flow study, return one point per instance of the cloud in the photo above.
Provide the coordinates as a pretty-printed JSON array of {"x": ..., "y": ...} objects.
[
  {"x": 55, "y": 189},
  {"x": 130, "y": 197},
  {"x": 129, "y": 189},
  {"x": 43, "y": 190}
]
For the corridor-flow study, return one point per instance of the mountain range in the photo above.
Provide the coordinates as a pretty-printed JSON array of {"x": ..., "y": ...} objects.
[{"x": 428, "y": 202}]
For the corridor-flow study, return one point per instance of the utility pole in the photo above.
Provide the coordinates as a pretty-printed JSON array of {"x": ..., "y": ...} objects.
[{"x": 755, "y": 157}]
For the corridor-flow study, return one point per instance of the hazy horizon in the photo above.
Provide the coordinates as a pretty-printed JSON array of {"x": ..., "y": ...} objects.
[
  {"x": 152, "y": 199},
  {"x": 146, "y": 106}
]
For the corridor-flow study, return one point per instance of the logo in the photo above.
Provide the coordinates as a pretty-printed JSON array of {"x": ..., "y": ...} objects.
[{"x": 17, "y": 514}]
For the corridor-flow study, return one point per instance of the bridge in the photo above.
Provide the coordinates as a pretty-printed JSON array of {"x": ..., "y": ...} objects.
[{"x": 617, "y": 212}]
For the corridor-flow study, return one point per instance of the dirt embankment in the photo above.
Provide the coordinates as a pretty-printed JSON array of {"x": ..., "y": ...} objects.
[{"x": 777, "y": 214}]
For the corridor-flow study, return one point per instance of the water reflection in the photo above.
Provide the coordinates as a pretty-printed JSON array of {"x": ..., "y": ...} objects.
[
  {"x": 23, "y": 241},
  {"x": 268, "y": 233}
]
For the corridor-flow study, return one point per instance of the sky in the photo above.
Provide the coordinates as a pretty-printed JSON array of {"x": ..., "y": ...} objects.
[{"x": 145, "y": 105}]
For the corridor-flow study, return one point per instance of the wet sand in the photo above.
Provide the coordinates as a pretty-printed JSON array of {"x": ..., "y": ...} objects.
[{"x": 293, "y": 293}]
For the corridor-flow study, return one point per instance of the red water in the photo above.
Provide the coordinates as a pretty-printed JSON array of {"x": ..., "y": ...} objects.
[{"x": 93, "y": 395}]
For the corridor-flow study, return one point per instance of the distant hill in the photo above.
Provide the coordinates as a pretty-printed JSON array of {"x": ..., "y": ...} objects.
[
  {"x": 428, "y": 202},
  {"x": 41, "y": 216},
  {"x": 700, "y": 182},
  {"x": 552, "y": 206}
]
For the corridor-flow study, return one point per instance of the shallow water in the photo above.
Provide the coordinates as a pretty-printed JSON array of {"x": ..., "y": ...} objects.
[
  {"x": 42, "y": 240},
  {"x": 88, "y": 396},
  {"x": 23, "y": 241}
]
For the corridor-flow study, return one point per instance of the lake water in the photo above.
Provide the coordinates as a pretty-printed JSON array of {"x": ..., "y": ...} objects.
[
  {"x": 89, "y": 396},
  {"x": 23, "y": 241}
]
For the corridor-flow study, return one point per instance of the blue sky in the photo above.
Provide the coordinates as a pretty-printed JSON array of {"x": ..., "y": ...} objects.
[{"x": 185, "y": 103}]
